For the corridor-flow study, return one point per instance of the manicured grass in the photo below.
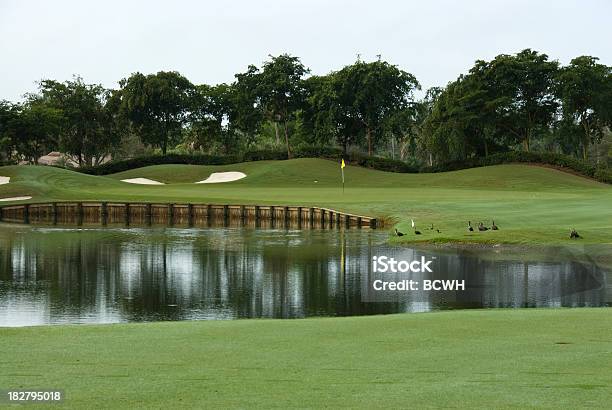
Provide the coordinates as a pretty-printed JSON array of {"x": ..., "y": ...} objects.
[
  {"x": 528, "y": 358},
  {"x": 532, "y": 205}
]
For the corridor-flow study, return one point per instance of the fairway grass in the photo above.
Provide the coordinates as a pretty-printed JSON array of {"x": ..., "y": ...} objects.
[
  {"x": 530, "y": 204},
  {"x": 524, "y": 358}
]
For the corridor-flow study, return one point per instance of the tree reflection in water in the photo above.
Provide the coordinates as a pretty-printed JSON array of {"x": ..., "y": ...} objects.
[{"x": 55, "y": 275}]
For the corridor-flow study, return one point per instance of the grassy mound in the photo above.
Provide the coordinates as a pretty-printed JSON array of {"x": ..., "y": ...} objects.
[
  {"x": 557, "y": 358},
  {"x": 327, "y": 173},
  {"x": 531, "y": 204},
  {"x": 565, "y": 162}
]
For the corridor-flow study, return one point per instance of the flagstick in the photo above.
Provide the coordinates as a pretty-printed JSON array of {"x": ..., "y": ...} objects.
[{"x": 342, "y": 165}]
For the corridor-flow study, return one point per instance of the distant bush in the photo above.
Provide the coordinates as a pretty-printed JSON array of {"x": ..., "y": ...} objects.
[
  {"x": 113, "y": 167},
  {"x": 263, "y": 155},
  {"x": 383, "y": 164},
  {"x": 603, "y": 175},
  {"x": 318, "y": 152},
  {"x": 379, "y": 163},
  {"x": 544, "y": 158}
]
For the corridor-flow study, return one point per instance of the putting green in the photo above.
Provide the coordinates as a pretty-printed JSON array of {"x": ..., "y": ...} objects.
[
  {"x": 556, "y": 358},
  {"x": 530, "y": 204}
]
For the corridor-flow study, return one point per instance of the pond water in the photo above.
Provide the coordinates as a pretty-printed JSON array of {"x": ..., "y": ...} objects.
[{"x": 51, "y": 275}]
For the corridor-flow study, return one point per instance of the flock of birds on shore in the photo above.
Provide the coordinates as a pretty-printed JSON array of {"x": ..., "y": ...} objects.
[{"x": 481, "y": 228}]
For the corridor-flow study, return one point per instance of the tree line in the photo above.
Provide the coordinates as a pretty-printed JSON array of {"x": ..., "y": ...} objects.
[{"x": 523, "y": 101}]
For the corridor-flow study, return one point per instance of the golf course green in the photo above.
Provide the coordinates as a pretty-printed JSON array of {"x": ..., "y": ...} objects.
[
  {"x": 527, "y": 358},
  {"x": 530, "y": 204}
]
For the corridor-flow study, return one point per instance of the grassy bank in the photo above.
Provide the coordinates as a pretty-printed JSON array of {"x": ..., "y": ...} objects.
[
  {"x": 557, "y": 358},
  {"x": 531, "y": 204}
]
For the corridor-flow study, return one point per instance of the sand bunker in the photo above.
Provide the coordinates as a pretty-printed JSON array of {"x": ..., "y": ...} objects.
[
  {"x": 217, "y": 177},
  {"x": 15, "y": 198},
  {"x": 4, "y": 180},
  {"x": 142, "y": 181}
]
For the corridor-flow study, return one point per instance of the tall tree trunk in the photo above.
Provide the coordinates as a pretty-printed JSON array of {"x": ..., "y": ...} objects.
[
  {"x": 527, "y": 138},
  {"x": 287, "y": 141},
  {"x": 586, "y": 140},
  {"x": 166, "y": 136},
  {"x": 369, "y": 138},
  {"x": 486, "y": 147},
  {"x": 276, "y": 133}
]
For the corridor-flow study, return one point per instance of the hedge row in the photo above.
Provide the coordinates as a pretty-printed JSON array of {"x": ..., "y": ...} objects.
[
  {"x": 113, "y": 167},
  {"x": 378, "y": 163},
  {"x": 556, "y": 160},
  {"x": 382, "y": 164}
]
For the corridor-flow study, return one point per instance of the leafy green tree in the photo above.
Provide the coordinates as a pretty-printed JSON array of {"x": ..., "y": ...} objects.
[
  {"x": 324, "y": 116},
  {"x": 585, "y": 90},
  {"x": 520, "y": 88},
  {"x": 8, "y": 113},
  {"x": 406, "y": 125},
  {"x": 209, "y": 118},
  {"x": 499, "y": 104},
  {"x": 280, "y": 90},
  {"x": 157, "y": 106},
  {"x": 462, "y": 123},
  {"x": 444, "y": 129},
  {"x": 246, "y": 114},
  {"x": 371, "y": 93},
  {"x": 36, "y": 129},
  {"x": 86, "y": 131}
]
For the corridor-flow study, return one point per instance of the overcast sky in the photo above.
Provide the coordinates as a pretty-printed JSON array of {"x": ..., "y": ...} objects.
[{"x": 211, "y": 41}]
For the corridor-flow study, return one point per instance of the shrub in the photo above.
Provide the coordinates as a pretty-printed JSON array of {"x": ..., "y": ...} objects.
[
  {"x": 138, "y": 162},
  {"x": 603, "y": 175},
  {"x": 545, "y": 158},
  {"x": 263, "y": 155},
  {"x": 383, "y": 164},
  {"x": 307, "y": 151}
]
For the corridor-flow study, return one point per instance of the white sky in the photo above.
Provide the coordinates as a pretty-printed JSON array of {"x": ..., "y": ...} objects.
[{"x": 210, "y": 41}]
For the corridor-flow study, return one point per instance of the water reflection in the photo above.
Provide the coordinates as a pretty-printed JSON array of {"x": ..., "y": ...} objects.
[{"x": 54, "y": 275}]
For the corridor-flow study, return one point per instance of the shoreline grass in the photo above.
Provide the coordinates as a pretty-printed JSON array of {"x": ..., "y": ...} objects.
[{"x": 536, "y": 358}]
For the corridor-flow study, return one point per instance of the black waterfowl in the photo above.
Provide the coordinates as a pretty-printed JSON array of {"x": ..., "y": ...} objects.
[
  {"x": 431, "y": 227},
  {"x": 494, "y": 227},
  {"x": 482, "y": 228},
  {"x": 417, "y": 232},
  {"x": 398, "y": 233},
  {"x": 574, "y": 234},
  {"x": 437, "y": 230},
  {"x": 469, "y": 227}
]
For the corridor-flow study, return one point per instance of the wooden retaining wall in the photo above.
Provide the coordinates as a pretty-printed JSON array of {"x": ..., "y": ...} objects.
[{"x": 103, "y": 213}]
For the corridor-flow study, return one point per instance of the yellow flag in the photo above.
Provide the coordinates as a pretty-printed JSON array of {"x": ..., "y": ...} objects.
[{"x": 343, "y": 164}]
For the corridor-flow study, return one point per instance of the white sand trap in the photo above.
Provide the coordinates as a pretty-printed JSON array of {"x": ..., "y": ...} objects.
[
  {"x": 4, "y": 180},
  {"x": 217, "y": 177},
  {"x": 15, "y": 198},
  {"x": 142, "y": 181}
]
